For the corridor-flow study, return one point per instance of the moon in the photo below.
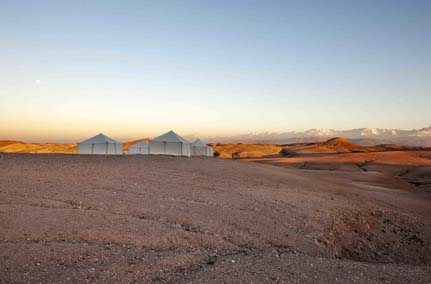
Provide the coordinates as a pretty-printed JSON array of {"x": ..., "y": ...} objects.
[{"x": 37, "y": 81}]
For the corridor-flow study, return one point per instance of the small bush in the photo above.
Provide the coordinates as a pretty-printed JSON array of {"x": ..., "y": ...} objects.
[
  {"x": 288, "y": 153},
  {"x": 236, "y": 155},
  {"x": 216, "y": 154}
]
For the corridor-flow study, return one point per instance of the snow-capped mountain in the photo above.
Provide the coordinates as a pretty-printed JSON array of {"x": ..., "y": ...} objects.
[{"x": 363, "y": 136}]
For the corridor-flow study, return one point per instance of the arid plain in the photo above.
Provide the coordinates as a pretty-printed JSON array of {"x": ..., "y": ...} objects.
[{"x": 330, "y": 212}]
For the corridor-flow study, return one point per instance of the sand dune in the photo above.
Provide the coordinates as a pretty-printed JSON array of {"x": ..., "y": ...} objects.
[
  {"x": 8, "y": 142},
  {"x": 8, "y": 146}
]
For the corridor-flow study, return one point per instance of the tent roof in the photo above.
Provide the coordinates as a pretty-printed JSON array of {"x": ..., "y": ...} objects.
[
  {"x": 140, "y": 144},
  {"x": 170, "y": 137},
  {"x": 99, "y": 138},
  {"x": 199, "y": 143}
]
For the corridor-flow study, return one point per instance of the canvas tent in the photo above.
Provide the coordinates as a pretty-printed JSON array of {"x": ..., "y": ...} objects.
[
  {"x": 100, "y": 145},
  {"x": 170, "y": 143},
  {"x": 139, "y": 148},
  {"x": 199, "y": 148}
]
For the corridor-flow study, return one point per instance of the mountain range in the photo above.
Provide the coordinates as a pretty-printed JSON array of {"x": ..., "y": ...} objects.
[{"x": 362, "y": 136}]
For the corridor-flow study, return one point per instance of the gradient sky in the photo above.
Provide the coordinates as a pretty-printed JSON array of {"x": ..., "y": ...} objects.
[{"x": 131, "y": 69}]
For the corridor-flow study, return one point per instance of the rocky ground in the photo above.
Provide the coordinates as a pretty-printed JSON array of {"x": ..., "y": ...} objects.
[{"x": 157, "y": 219}]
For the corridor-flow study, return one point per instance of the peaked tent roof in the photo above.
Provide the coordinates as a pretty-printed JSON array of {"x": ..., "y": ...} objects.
[
  {"x": 140, "y": 144},
  {"x": 199, "y": 143},
  {"x": 170, "y": 137},
  {"x": 99, "y": 138}
]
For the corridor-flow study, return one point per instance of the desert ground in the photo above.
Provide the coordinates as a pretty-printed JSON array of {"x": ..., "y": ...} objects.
[
  {"x": 412, "y": 164},
  {"x": 160, "y": 219}
]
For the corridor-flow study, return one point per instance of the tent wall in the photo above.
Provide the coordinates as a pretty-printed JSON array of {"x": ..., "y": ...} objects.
[
  {"x": 118, "y": 150},
  {"x": 84, "y": 148},
  {"x": 202, "y": 151},
  {"x": 101, "y": 149},
  {"x": 138, "y": 150},
  {"x": 199, "y": 151},
  {"x": 173, "y": 148},
  {"x": 186, "y": 149},
  {"x": 156, "y": 148},
  {"x": 169, "y": 148}
]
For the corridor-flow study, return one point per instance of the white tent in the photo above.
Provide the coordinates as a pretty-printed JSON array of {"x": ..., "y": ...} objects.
[
  {"x": 139, "y": 148},
  {"x": 199, "y": 148},
  {"x": 170, "y": 143},
  {"x": 100, "y": 145}
]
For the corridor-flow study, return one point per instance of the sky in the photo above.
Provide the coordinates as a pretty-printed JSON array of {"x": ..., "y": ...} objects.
[{"x": 133, "y": 69}]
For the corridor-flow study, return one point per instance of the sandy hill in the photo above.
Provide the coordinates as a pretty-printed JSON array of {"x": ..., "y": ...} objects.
[
  {"x": 4, "y": 143},
  {"x": 78, "y": 219},
  {"x": 334, "y": 145},
  {"x": 245, "y": 150},
  {"x": 340, "y": 144},
  {"x": 8, "y": 146}
]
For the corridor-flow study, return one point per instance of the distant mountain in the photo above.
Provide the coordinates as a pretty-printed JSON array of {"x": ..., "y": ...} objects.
[{"x": 361, "y": 136}]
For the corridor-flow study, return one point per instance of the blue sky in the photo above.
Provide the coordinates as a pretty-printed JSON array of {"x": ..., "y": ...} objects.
[{"x": 137, "y": 68}]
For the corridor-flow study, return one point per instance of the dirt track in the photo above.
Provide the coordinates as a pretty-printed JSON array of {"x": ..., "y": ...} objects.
[{"x": 155, "y": 219}]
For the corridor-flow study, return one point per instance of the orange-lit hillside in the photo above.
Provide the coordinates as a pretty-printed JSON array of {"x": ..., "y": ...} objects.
[
  {"x": 245, "y": 150},
  {"x": 8, "y": 146}
]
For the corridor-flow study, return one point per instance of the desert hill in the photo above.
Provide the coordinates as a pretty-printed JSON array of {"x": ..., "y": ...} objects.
[
  {"x": 9, "y": 146},
  {"x": 245, "y": 150},
  {"x": 332, "y": 146},
  {"x": 8, "y": 142}
]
